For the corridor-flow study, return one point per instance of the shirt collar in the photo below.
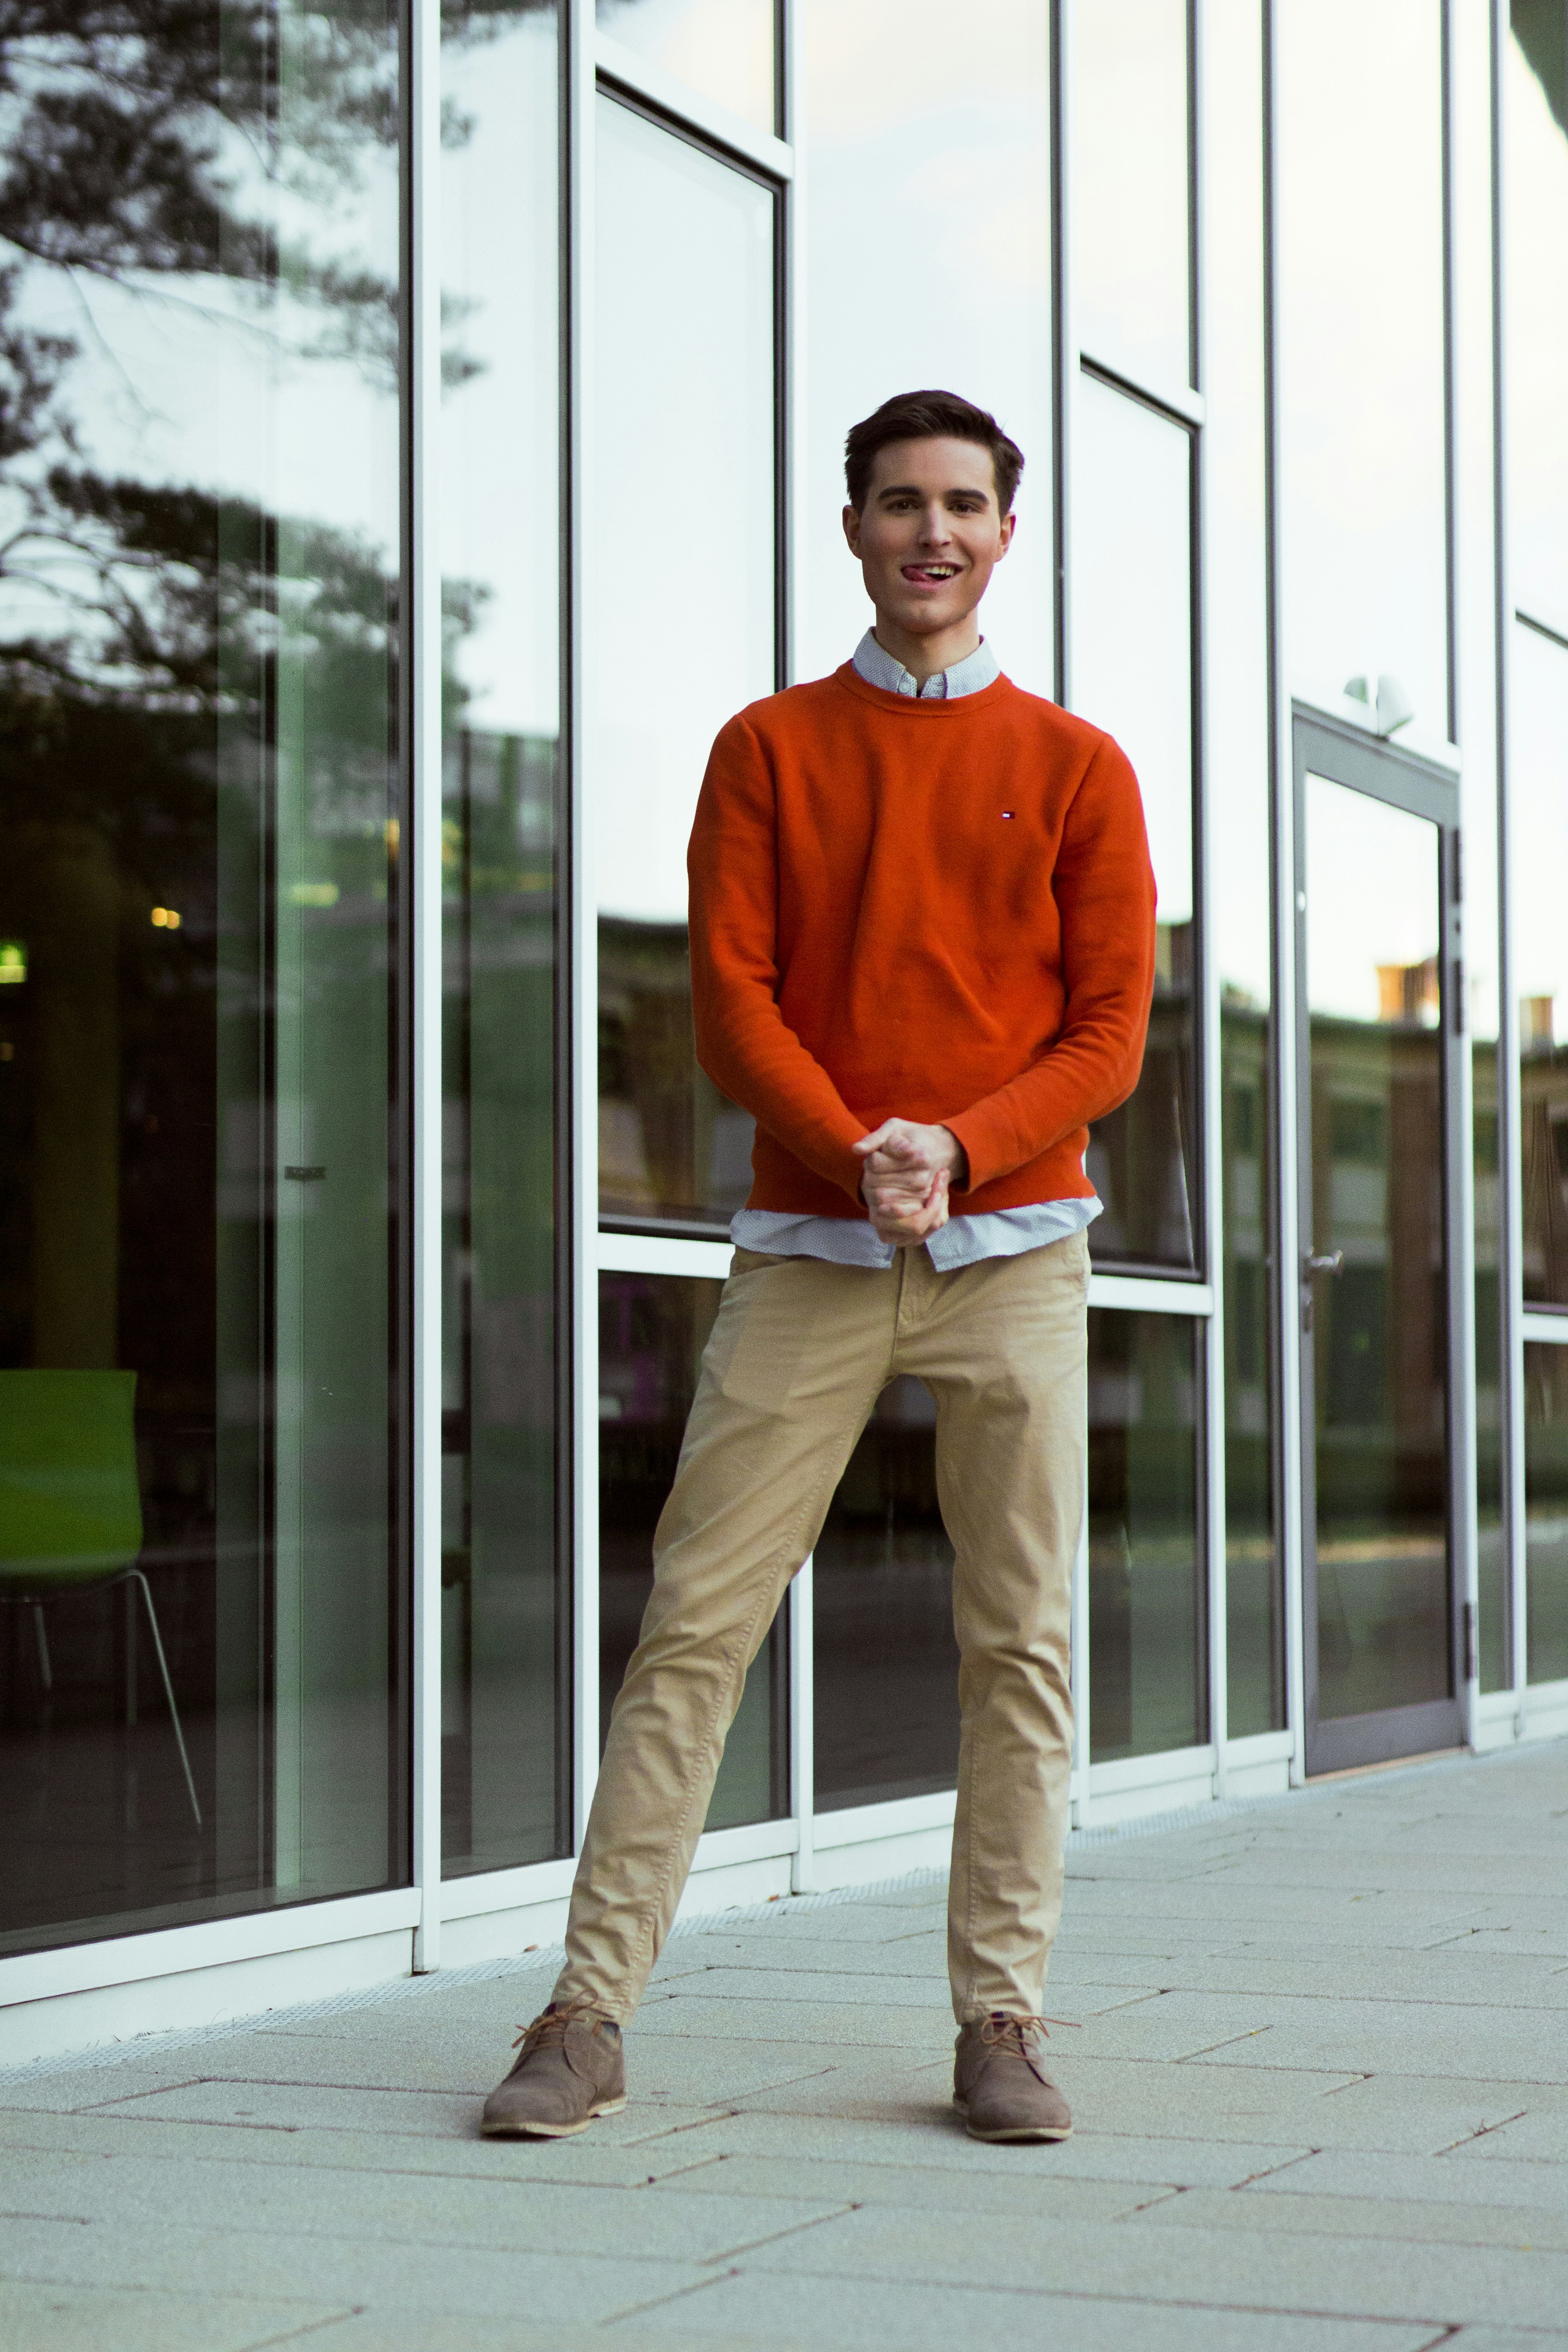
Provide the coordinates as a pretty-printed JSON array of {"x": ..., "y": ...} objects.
[{"x": 877, "y": 667}]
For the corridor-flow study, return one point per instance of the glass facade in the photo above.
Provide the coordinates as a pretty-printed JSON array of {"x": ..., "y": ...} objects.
[
  {"x": 203, "y": 899},
  {"x": 420, "y": 429}
]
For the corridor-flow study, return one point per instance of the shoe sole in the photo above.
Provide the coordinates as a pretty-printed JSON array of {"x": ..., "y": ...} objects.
[
  {"x": 1015, "y": 2132},
  {"x": 549, "y": 2131}
]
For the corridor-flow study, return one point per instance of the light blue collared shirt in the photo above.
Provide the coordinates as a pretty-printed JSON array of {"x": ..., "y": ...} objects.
[{"x": 963, "y": 1241}]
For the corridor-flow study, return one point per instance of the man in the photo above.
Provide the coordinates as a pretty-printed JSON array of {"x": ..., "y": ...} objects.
[{"x": 922, "y": 931}]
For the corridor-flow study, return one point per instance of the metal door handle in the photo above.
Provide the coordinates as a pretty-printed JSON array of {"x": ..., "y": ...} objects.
[{"x": 1330, "y": 1264}]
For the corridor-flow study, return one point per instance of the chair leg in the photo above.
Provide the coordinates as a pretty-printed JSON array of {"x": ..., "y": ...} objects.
[
  {"x": 136, "y": 1577},
  {"x": 45, "y": 1668}
]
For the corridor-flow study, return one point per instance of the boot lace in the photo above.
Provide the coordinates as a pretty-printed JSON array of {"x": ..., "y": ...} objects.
[
  {"x": 550, "y": 2028},
  {"x": 1015, "y": 2035}
]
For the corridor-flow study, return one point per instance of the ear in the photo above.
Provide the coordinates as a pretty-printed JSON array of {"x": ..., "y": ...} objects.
[
  {"x": 852, "y": 530},
  {"x": 1009, "y": 523}
]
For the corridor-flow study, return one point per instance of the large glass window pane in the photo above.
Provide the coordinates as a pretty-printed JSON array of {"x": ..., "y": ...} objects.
[
  {"x": 1146, "y": 1623},
  {"x": 1129, "y": 189},
  {"x": 1535, "y": 373},
  {"x": 1363, "y": 534},
  {"x": 503, "y": 1650},
  {"x": 653, "y": 1328},
  {"x": 725, "y": 49},
  {"x": 682, "y": 629},
  {"x": 1546, "y": 1510},
  {"x": 1379, "y": 1337},
  {"x": 1538, "y": 831},
  {"x": 1132, "y": 675},
  {"x": 200, "y": 1676},
  {"x": 946, "y": 134},
  {"x": 886, "y": 1658}
]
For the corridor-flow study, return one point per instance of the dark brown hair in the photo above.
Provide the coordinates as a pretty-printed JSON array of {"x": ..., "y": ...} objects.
[{"x": 928, "y": 416}]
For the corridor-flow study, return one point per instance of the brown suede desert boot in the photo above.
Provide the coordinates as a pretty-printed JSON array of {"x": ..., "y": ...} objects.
[
  {"x": 570, "y": 2068},
  {"x": 1000, "y": 2086}
]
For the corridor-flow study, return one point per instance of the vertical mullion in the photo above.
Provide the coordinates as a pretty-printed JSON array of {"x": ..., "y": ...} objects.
[
  {"x": 578, "y": 30},
  {"x": 1209, "y": 1071},
  {"x": 1282, "y": 799},
  {"x": 423, "y": 66},
  {"x": 793, "y": 508},
  {"x": 1067, "y": 357},
  {"x": 1511, "y": 1125},
  {"x": 1459, "y": 1052},
  {"x": 1067, "y": 378}
]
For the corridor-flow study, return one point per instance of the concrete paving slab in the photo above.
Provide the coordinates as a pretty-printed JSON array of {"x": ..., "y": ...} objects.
[
  {"x": 424, "y": 2331},
  {"x": 824, "y": 2026},
  {"x": 1538, "y": 2135},
  {"x": 324, "y": 2272},
  {"x": 883, "y": 2316},
  {"x": 1150, "y": 2261},
  {"x": 923, "y": 1957},
  {"x": 1433, "y": 2181},
  {"x": 523, "y": 2214},
  {"x": 588, "y": 2158},
  {"x": 36, "y": 2319},
  {"x": 1456, "y": 2041},
  {"x": 1039, "y": 2193},
  {"x": 943, "y": 2145},
  {"x": 761, "y": 1982},
  {"x": 1425, "y": 2115},
  {"x": 1510, "y": 2340},
  {"x": 1528, "y": 2229},
  {"x": 1454, "y": 1974}
]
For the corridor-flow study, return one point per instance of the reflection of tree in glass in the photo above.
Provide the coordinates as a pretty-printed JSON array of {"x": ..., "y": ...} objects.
[{"x": 151, "y": 145}]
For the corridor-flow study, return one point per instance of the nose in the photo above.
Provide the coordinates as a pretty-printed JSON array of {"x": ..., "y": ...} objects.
[{"x": 934, "y": 529}]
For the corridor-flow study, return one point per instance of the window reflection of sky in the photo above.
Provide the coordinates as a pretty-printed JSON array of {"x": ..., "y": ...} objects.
[
  {"x": 1131, "y": 571},
  {"x": 682, "y": 583},
  {"x": 724, "y": 48},
  {"x": 1130, "y": 184},
  {"x": 928, "y": 263},
  {"x": 500, "y": 431},
  {"x": 1535, "y": 159},
  {"x": 1372, "y": 897},
  {"x": 1359, "y": 279}
]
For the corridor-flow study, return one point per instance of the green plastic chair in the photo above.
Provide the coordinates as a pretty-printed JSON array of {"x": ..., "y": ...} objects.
[{"x": 71, "y": 1503}]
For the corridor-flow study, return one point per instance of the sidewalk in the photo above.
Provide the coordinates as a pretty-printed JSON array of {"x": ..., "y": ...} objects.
[{"x": 1321, "y": 2090}]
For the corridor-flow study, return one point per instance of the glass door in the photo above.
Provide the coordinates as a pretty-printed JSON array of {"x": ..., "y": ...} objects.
[{"x": 1375, "y": 987}]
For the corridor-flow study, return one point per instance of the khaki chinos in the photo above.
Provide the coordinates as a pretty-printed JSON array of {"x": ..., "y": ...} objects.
[{"x": 798, "y": 1354}]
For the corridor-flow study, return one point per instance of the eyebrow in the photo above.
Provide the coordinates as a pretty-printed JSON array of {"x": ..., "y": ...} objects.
[{"x": 914, "y": 490}]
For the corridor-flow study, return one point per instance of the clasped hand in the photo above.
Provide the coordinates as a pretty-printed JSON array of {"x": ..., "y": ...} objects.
[{"x": 907, "y": 1173}]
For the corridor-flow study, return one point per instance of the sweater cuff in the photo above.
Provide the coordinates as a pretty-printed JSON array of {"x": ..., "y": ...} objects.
[{"x": 989, "y": 1144}]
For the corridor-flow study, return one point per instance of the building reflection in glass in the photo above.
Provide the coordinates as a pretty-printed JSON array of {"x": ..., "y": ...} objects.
[
  {"x": 887, "y": 1661},
  {"x": 1255, "y": 1643},
  {"x": 653, "y": 1328},
  {"x": 1378, "y": 1320},
  {"x": 1146, "y": 1592},
  {"x": 1546, "y": 1510},
  {"x": 1538, "y": 800}
]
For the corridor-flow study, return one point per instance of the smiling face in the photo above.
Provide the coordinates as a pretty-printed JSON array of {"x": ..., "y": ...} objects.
[{"x": 929, "y": 534}]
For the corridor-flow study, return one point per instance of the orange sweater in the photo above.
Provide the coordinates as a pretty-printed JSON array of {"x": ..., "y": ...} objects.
[{"x": 942, "y": 911}]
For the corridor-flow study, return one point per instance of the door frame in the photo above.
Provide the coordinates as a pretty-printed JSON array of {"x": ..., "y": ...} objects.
[{"x": 1386, "y": 771}]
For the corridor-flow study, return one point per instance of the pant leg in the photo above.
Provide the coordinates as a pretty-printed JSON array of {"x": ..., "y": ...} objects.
[
  {"x": 1004, "y": 1352},
  {"x": 797, "y": 1355}
]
